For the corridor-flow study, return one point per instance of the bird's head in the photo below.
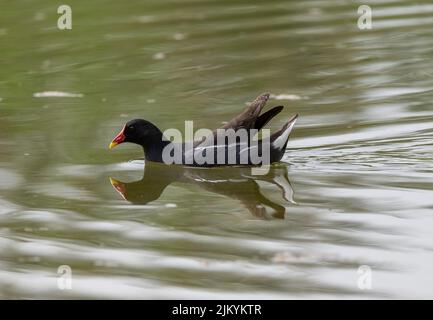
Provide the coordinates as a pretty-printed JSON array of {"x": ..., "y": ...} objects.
[{"x": 137, "y": 131}]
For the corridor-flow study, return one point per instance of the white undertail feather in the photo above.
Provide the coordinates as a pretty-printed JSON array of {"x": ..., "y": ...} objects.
[{"x": 281, "y": 140}]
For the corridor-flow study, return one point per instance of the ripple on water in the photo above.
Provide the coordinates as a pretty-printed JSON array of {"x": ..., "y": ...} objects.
[{"x": 60, "y": 94}]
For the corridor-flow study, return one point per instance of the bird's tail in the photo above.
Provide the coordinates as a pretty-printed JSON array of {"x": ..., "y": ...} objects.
[{"x": 279, "y": 139}]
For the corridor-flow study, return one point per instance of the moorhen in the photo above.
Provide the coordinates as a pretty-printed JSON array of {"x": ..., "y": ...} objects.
[{"x": 147, "y": 135}]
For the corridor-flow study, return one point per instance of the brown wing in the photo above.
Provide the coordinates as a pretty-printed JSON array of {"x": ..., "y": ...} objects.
[{"x": 248, "y": 117}]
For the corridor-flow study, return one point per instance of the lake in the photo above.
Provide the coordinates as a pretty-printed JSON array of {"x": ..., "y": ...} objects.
[{"x": 347, "y": 213}]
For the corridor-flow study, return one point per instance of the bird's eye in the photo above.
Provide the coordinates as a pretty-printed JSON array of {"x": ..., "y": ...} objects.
[{"x": 131, "y": 128}]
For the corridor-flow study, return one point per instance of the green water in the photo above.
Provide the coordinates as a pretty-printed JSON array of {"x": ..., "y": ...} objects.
[{"x": 354, "y": 187}]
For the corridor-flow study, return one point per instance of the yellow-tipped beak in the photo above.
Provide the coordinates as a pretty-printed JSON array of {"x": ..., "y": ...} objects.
[{"x": 118, "y": 139}]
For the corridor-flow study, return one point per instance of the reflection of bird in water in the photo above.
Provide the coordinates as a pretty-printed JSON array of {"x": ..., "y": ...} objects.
[
  {"x": 156, "y": 178},
  {"x": 234, "y": 182}
]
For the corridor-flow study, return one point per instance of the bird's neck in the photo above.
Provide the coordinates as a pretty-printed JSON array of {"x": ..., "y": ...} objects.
[{"x": 153, "y": 149}]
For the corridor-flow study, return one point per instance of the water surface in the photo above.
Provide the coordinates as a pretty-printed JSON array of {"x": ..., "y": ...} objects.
[{"x": 354, "y": 187}]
